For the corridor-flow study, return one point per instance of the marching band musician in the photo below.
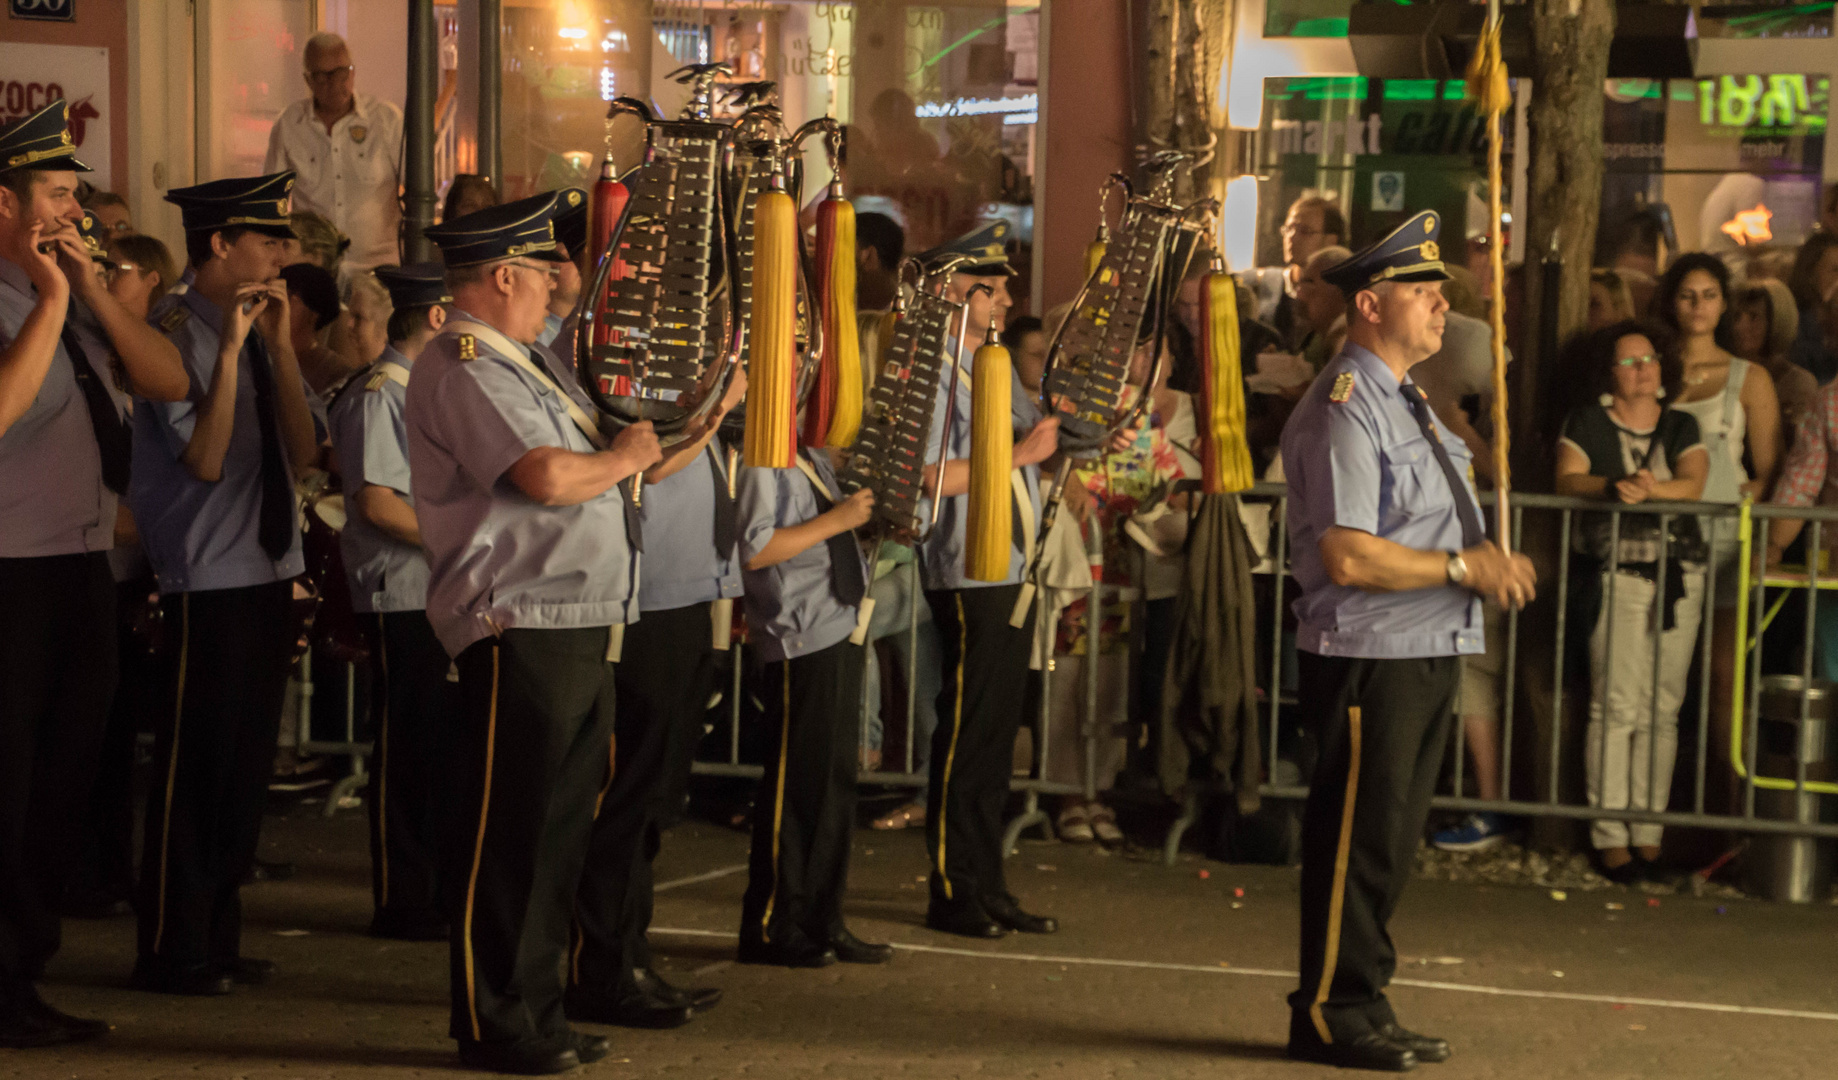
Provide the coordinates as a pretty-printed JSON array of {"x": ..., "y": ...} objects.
[
  {"x": 388, "y": 576},
  {"x": 985, "y": 659},
  {"x": 213, "y": 494},
  {"x": 666, "y": 674},
  {"x": 806, "y": 578},
  {"x": 533, "y": 553},
  {"x": 1393, "y": 560},
  {"x": 64, "y": 455}
]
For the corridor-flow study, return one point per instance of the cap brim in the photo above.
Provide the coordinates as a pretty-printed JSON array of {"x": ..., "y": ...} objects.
[
  {"x": 549, "y": 255},
  {"x": 56, "y": 164}
]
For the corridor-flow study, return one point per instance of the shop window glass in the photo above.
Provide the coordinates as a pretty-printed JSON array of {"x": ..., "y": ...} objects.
[
  {"x": 250, "y": 72},
  {"x": 1766, "y": 19}
]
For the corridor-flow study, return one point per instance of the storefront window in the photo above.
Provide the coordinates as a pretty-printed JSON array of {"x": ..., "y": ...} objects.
[
  {"x": 1766, "y": 19},
  {"x": 251, "y": 68},
  {"x": 939, "y": 101},
  {"x": 1384, "y": 149}
]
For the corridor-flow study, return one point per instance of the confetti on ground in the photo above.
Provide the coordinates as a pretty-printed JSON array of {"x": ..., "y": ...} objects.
[
  {"x": 1612, "y": 906},
  {"x": 1446, "y": 960},
  {"x": 1045, "y": 866},
  {"x": 1636, "y": 1027},
  {"x": 1225, "y": 963},
  {"x": 1238, "y": 893},
  {"x": 1236, "y": 905},
  {"x": 1721, "y": 910},
  {"x": 291, "y": 933},
  {"x": 1204, "y": 874},
  {"x": 1557, "y": 974},
  {"x": 1559, "y": 894},
  {"x": 1652, "y": 901}
]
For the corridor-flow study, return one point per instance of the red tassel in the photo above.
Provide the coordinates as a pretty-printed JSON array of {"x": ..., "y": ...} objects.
[{"x": 607, "y": 204}]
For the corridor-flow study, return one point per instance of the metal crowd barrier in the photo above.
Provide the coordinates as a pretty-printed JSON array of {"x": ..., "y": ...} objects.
[{"x": 1544, "y": 797}]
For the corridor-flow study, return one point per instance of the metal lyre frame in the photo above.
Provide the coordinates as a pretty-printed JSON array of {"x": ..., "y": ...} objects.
[
  {"x": 861, "y": 471},
  {"x": 1177, "y": 236}
]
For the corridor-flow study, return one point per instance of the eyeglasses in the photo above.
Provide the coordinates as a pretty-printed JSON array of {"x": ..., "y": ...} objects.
[
  {"x": 1637, "y": 361},
  {"x": 1290, "y": 229},
  {"x": 329, "y": 74},
  {"x": 546, "y": 269}
]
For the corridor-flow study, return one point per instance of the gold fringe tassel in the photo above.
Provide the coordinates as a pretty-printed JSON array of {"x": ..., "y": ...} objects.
[
  {"x": 1226, "y": 461},
  {"x": 989, "y": 530},
  {"x": 772, "y": 368}
]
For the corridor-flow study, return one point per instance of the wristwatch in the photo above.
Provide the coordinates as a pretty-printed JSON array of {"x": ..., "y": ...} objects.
[{"x": 1457, "y": 568}]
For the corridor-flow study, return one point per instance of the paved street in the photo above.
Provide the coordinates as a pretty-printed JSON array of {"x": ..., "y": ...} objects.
[{"x": 1158, "y": 973}]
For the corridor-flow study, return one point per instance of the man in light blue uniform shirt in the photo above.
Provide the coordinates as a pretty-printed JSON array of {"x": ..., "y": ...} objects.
[
  {"x": 985, "y": 658},
  {"x": 213, "y": 495},
  {"x": 806, "y": 579},
  {"x": 387, "y": 572},
  {"x": 1388, "y": 547},
  {"x": 64, "y": 458},
  {"x": 533, "y": 553}
]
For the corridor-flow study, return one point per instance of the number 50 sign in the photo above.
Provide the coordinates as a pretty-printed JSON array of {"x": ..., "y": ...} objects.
[{"x": 49, "y": 10}]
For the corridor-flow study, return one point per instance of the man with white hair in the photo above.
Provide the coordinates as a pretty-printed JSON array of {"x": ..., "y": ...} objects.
[{"x": 346, "y": 149}]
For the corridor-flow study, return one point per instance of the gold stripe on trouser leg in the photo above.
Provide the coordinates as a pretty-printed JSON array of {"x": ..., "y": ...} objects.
[
  {"x": 172, "y": 764},
  {"x": 1337, "y": 902},
  {"x": 957, "y": 725},
  {"x": 580, "y": 938},
  {"x": 478, "y": 847},
  {"x": 383, "y": 766},
  {"x": 778, "y": 808}
]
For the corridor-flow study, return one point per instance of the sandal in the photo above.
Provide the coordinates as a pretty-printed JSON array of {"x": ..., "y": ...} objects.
[
  {"x": 1074, "y": 825},
  {"x": 912, "y": 814},
  {"x": 1104, "y": 825}
]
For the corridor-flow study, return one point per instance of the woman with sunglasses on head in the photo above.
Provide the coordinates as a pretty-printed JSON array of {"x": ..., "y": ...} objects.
[{"x": 1629, "y": 447}]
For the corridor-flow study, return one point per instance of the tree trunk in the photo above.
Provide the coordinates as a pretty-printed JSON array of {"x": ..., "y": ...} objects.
[
  {"x": 1185, "y": 46},
  {"x": 1570, "y": 41}
]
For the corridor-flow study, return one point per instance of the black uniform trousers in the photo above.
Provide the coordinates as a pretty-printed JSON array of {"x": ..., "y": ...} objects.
[
  {"x": 530, "y": 747},
  {"x": 980, "y": 708},
  {"x": 804, "y": 814},
  {"x": 666, "y": 670},
  {"x": 414, "y": 705},
  {"x": 1380, "y": 728},
  {"x": 104, "y": 869},
  {"x": 225, "y": 656},
  {"x": 57, "y": 676}
]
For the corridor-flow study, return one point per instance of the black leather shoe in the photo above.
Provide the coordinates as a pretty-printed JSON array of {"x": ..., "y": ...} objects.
[
  {"x": 591, "y": 1048},
  {"x": 964, "y": 920},
  {"x": 74, "y": 1028},
  {"x": 192, "y": 980},
  {"x": 410, "y": 926},
  {"x": 1426, "y": 1047},
  {"x": 249, "y": 971},
  {"x": 700, "y": 998},
  {"x": 518, "y": 1059},
  {"x": 853, "y": 950},
  {"x": 803, "y": 954},
  {"x": 1368, "y": 1050},
  {"x": 633, "y": 1009},
  {"x": 1007, "y": 911}
]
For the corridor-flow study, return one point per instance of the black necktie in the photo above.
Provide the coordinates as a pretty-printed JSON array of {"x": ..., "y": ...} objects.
[
  {"x": 845, "y": 557},
  {"x": 725, "y": 531},
  {"x": 112, "y": 438},
  {"x": 275, "y": 528},
  {"x": 1471, "y": 531}
]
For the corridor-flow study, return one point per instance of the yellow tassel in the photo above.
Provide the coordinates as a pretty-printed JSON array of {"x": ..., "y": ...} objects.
[
  {"x": 1486, "y": 75},
  {"x": 989, "y": 530},
  {"x": 1094, "y": 254},
  {"x": 772, "y": 369},
  {"x": 1226, "y": 464},
  {"x": 839, "y": 338}
]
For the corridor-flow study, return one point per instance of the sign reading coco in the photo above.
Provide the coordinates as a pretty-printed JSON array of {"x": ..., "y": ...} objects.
[{"x": 33, "y": 76}]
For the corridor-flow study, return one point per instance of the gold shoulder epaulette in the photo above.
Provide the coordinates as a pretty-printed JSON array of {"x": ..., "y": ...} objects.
[
  {"x": 376, "y": 382},
  {"x": 175, "y": 318},
  {"x": 1343, "y": 388},
  {"x": 468, "y": 347}
]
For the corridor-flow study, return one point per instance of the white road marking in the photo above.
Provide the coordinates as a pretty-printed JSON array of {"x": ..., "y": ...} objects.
[
  {"x": 699, "y": 878},
  {"x": 1272, "y": 973}
]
